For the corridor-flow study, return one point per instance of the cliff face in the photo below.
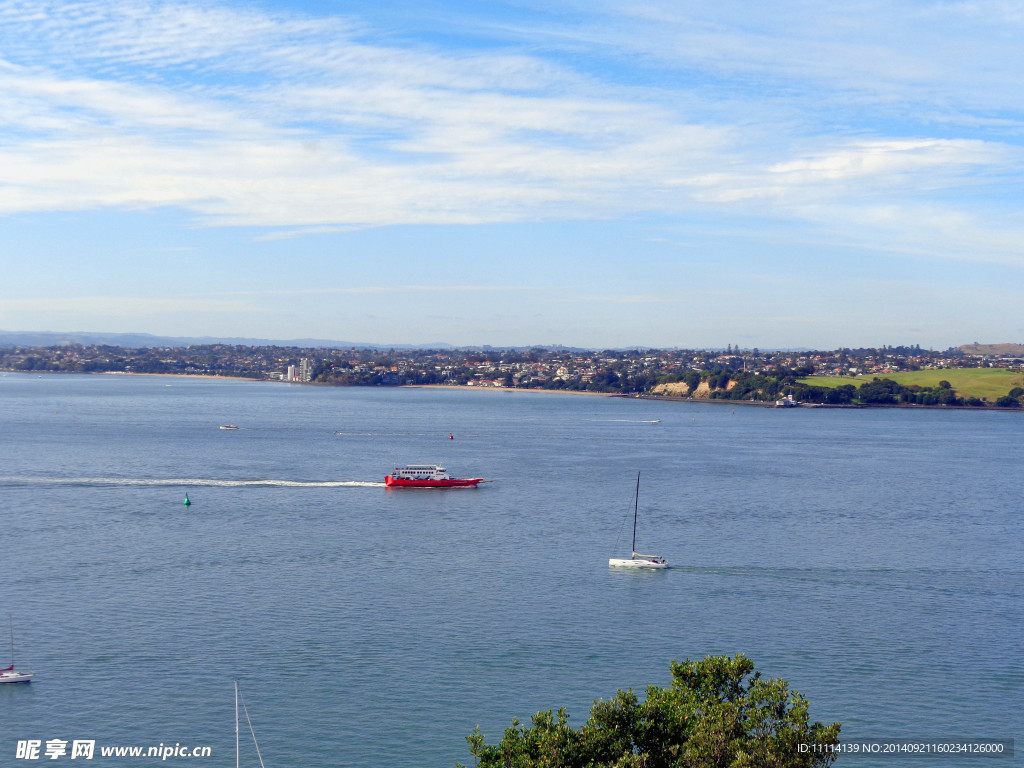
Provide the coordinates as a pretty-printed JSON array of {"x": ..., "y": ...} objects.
[
  {"x": 675, "y": 389},
  {"x": 682, "y": 389}
]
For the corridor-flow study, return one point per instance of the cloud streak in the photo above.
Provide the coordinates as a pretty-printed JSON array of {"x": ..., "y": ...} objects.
[
  {"x": 371, "y": 290},
  {"x": 116, "y": 306},
  {"x": 292, "y": 123}
]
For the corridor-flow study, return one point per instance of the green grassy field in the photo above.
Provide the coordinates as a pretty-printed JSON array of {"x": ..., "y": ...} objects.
[{"x": 968, "y": 382}]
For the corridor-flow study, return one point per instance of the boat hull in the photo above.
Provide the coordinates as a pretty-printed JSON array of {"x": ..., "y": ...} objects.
[
  {"x": 616, "y": 562},
  {"x": 16, "y": 677},
  {"x": 400, "y": 482}
]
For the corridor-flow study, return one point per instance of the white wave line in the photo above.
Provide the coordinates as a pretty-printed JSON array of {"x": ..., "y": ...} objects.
[
  {"x": 629, "y": 421},
  {"x": 131, "y": 481}
]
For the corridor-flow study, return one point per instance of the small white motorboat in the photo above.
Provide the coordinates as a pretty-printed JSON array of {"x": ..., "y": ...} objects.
[{"x": 11, "y": 676}]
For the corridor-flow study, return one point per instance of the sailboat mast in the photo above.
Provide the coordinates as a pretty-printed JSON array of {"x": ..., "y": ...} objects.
[
  {"x": 636, "y": 504},
  {"x": 10, "y": 618},
  {"x": 236, "y": 724}
]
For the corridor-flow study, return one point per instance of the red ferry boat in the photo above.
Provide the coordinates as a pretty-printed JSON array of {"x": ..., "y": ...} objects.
[{"x": 426, "y": 476}]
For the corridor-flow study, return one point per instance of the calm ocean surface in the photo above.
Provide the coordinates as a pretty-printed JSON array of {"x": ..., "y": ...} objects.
[{"x": 875, "y": 559}]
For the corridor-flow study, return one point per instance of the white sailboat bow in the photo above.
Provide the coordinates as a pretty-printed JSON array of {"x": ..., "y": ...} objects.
[{"x": 637, "y": 560}]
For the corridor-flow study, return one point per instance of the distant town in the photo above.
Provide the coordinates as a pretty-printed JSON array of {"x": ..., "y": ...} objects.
[{"x": 848, "y": 376}]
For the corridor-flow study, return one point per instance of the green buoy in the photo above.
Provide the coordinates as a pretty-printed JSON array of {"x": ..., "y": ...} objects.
[{"x": 187, "y": 502}]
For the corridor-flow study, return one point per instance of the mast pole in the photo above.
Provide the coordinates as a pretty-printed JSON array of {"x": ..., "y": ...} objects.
[
  {"x": 10, "y": 617},
  {"x": 236, "y": 724},
  {"x": 636, "y": 504}
]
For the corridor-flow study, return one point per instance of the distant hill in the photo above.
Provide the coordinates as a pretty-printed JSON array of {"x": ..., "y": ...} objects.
[
  {"x": 145, "y": 341},
  {"x": 149, "y": 341},
  {"x": 1001, "y": 350}
]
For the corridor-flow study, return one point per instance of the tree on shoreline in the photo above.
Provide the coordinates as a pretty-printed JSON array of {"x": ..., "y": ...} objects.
[{"x": 717, "y": 713}]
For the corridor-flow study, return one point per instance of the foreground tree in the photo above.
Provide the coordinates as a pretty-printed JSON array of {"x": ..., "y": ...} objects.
[{"x": 717, "y": 713}]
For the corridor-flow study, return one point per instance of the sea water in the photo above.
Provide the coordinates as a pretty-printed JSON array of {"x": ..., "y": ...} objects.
[{"x": 872, "y": 558}]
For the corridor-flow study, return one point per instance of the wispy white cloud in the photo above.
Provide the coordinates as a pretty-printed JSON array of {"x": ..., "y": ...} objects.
[
  {"x": 255, "y": 117},
  {"x": 906, "y": 159},
  {"x": 903, "y": 57},
  {"x": 369, "y": 290},
  {"x": 633, "y": 299},
  {"x": 116, "y": 306}
]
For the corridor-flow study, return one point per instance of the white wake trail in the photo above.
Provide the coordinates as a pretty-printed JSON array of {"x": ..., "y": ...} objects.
[{"x": 187, "y": 482}]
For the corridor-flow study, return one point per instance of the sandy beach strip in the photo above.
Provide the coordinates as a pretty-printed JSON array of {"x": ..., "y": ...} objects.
[{"x": 517, "y": 390}]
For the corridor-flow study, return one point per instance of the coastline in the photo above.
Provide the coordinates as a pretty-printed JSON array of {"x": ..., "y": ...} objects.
[
  {"x": 511, "y": 389},
  {"x": 167, "y": 375},
  {"x": 517, "y": 390}
]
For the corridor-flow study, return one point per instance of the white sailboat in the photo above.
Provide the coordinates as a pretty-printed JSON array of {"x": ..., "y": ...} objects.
[
  {"x": 10, "y": 674},
  {"x": 637, "y": 560},
  {"x": 238, "y": 752}
]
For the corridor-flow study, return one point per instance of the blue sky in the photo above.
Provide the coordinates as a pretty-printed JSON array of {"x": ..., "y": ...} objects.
[{"x": 655, "y": 173}]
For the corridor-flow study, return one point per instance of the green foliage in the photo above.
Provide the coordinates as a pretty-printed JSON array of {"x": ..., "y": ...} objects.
[
  {"x": 879, "y": 391},
  {"x": 716, "y": 713},
  {"x": 948, "y": 386},
  {"x": 1012, "y": 399}
]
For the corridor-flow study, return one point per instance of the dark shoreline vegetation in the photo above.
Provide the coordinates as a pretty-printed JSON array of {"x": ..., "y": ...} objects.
[
  {"x": 716, "y": 712},
  {"x": 888, "y": 376}
]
